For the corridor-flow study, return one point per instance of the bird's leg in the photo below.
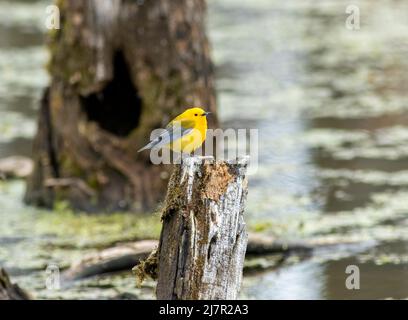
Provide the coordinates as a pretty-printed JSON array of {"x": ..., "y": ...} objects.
[
  {"x": 183, "y": 157},
  {"x": 178, "y": 158}
]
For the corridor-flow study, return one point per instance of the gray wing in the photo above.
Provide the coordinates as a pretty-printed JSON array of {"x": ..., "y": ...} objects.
[{"x": 171, "y": 133}]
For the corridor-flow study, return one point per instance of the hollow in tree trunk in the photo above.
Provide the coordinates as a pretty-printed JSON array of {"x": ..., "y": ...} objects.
[{"x": 118, "y": 70}]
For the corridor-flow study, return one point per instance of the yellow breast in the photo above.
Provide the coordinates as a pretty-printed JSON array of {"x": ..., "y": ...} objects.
[{"x": 191, "y": 141}]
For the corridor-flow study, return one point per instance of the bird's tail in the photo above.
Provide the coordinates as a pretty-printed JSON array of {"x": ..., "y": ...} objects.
[
  {"x": 148, "y": 146},
  {"x": 144, "y": 148}
]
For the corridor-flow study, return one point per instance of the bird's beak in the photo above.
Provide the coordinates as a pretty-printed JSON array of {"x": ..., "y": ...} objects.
[{"x": 206, "y": 114}]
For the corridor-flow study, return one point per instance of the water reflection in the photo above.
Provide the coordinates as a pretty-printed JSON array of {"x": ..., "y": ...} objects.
[
  {"x": 17, "y": 37},
  {"x": 22, "y": 74},
  {"x": 379, "y": 278},
  {"x": 354, "y": 113},
  {"x": 302, "y": 281},
  {"x": 354, "y": 81}
]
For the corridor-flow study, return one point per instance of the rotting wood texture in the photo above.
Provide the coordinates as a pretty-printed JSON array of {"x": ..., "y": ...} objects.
[{"x": 204, "y": 238}]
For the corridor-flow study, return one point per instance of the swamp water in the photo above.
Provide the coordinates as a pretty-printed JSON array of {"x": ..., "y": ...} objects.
[{"x": 332, "y": 112}]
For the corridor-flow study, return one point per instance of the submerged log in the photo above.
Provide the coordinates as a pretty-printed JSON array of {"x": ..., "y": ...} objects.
[
  {"x": 15, "y": 167},
  {"x": 204, "y": 238},
  {"x": 118, "y": 258},
  {"x": 261, "y": 244},
  {"x": 9, "y": 290},
  {"x": 127, "y": 255}
]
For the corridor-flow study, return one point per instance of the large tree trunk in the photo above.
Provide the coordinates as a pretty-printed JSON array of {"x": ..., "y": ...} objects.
[{"x": 119, "y": 69}]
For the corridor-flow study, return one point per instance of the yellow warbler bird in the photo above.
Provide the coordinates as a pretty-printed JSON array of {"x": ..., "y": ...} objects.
[{"x": 185, "y": 133}]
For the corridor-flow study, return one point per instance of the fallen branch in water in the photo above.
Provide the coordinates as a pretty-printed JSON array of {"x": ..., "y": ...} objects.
[
  {"x": 15, "y": 167},
  {"x": 261, "y": 244},
  {"x": 126, "y": 256},
  {"x": 118, "y": 258}
]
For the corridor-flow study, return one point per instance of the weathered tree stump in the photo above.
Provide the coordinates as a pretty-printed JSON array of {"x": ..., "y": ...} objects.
[
  {"x": 119, "y": 69},
  {"x": 204, "y": 238},
  {"x": 9, "y": 290}
]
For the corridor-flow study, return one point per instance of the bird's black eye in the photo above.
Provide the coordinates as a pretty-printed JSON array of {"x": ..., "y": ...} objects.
[{"x": 196, "y": 114}]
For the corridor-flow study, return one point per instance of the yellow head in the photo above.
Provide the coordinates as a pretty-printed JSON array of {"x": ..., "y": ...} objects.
[{"x": 197, "y": 115}]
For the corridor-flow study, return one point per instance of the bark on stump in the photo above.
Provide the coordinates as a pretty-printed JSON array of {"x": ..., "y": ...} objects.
[
  {"x": 10, "y": 291},
  {"x": 203, "y": 239},
  {"x": 119, "y": 69}
]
